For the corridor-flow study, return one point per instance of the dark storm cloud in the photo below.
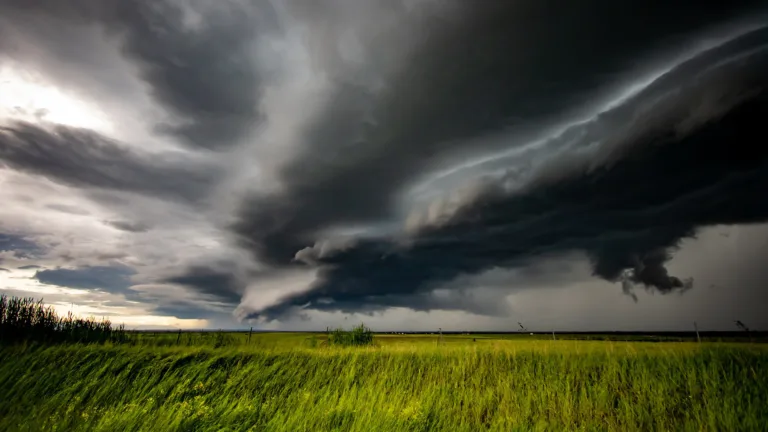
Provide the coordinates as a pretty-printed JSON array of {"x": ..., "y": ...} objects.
[
  {"x": 82, "y": 158},
  {"x": 419, "y": 92},
  {"x": 690, "y": 156},
  {"x": 114, "y": 279},
  {"x": 674, "y": 97},
  {"x": 202, "y": 72},
  {"x": 483, "y": 67},
  {"x": 206, "y": 76},
  {"x": 220, "y": 284}
]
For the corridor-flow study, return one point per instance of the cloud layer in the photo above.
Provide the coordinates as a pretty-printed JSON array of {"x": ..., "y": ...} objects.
[
  {"x": 624, "y": 187},
  {"x": 278, "y": 160}
]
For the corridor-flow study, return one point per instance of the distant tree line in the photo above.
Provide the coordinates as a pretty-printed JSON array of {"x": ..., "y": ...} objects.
[{"x": 29, "y": 320}]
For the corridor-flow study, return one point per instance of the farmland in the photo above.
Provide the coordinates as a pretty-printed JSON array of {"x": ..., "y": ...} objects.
[{"x": 296, "y": 382}]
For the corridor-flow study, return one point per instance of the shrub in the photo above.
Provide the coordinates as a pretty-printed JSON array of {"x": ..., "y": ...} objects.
[{"x": 360, "y": 335}]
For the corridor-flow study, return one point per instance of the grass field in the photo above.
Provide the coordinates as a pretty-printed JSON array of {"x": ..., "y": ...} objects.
[{"x": 291, "y": 382}]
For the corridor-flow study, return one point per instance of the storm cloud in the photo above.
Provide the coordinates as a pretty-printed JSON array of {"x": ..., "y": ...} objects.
[
  {"x": 686, "y": 155},
  {"x": 487, "y": 68},
  {"x": 111, "y": 279},
  {"x": 219, "y": 283},
  {"x": 280, "y": 160}
]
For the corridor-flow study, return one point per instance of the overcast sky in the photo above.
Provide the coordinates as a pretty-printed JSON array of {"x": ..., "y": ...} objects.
[{"x": 412, "y": 164}]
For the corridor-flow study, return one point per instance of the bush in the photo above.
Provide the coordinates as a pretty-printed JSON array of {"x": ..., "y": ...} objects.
[{"x": 360, "y": 335}]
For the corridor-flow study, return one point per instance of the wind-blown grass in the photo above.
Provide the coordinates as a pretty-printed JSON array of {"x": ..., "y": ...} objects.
[
  {"x": 504, "y": 385},
  {"x": 29, "y": 320},
  {"x": 355, "y": 381}
]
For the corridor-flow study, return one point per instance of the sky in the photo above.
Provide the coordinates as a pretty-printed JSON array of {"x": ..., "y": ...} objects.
[{"x": 410, "y": 164}]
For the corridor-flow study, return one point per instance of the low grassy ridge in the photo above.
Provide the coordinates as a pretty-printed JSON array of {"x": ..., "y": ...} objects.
[{"x": 402, "y": 383}]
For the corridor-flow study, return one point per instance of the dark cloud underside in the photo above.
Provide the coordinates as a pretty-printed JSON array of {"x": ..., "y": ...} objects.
[
  {"x": 693, "y": 160},
  {"x": 488, "y": 66},
  {"x": 109, "y": 279},
  {"x": 219, "y": 284}
]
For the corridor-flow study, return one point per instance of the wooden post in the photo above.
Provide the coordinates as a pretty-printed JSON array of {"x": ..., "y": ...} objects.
[
  {"x": 695, "y": 327},
  {"x": 249, "y": 335},
  {"x": 440, "y": 340},
  {"x": 178, "y": 338},
  {"x": 553, "y": 335}
]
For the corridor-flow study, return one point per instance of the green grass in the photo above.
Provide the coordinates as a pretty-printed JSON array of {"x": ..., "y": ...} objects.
[{"x": 404, "y": 383}]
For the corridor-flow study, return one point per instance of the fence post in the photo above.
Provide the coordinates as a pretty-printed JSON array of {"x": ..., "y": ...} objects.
[
  {"x": 249, "y": 335},
  {"x": 178, "y": 338},
  {"x": 695, "y": 327}
]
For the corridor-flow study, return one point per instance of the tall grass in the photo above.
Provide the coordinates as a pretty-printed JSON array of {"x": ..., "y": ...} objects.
[
  {"x": 507, "y": 386},
  {"x": 279, "y": 382},
  {"x": 29, "y": 320}
]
